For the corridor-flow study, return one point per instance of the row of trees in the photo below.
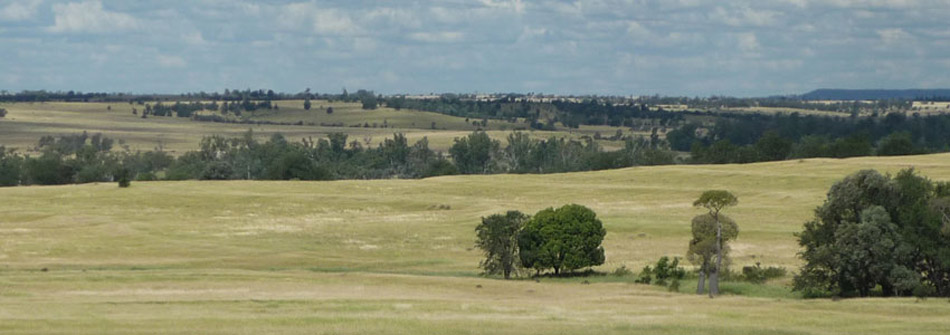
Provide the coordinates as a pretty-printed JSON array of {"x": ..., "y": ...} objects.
[
  {"x": 752, "y": 138},
  {"x": 90, "y": 158}
]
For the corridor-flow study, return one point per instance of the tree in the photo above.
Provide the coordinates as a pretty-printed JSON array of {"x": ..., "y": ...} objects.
[
  {"x": 870, "y": 252},
  {"x": 306, "y": 103},
  {"x": 3, "y": 112},
  {"x": 877, "y": 231},
  {"x": 702, "y": 247},
  {"x": 897, "y": 144},
  {"x": 474, "y": 153},
  {"x": 497, "y": 236},
  {"x": 10, "y": 167},
  {"x": 567, "y": 238},
  {"x": 715, "y": 201}
]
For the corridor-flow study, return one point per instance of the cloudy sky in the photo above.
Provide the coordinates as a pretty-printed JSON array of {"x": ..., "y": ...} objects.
[{"x": 623, "y": 47}]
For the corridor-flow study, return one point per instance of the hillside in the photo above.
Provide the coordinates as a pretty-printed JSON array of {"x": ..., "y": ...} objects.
[
  {"x": 27, "y": 122},
  {"x": 397, "y": 255}
]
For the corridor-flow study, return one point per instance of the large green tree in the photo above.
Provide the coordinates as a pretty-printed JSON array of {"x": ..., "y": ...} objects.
[
  {"x": 566, "y": 238},
  {"x": 877, "y": 231},
  {"x": 497, "y": 236},
  {"x": 715, "y": 201}
]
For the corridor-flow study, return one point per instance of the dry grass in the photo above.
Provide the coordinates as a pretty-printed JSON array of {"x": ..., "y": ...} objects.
[{"x": 378, "y": 256}]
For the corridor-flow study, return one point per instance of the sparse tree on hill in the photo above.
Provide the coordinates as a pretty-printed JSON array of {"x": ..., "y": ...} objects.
[
  {"x": 715, "y": 201},
  {"x": 702, "y": 248},
  {"x": 497, "y": 236}
]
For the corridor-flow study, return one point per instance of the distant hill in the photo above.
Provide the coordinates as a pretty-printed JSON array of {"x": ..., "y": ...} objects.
[{"x": 841, "y": 94}]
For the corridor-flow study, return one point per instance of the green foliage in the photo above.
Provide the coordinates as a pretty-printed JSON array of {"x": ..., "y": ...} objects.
[
  {"x": 877, "y": 231},
  {"x": 716, "y": 200},
  {"x": 10, "y": 167},
  {"x": 497, "y": 236},
  {"x": 123, "y": 176},
  {"x": 663, "y": 271},
  {"x": 702, "y": 247},
  {"x": 48, "y": 169},
  {"x": 758, "y": 275},
  {"x": 474, "y": 153},
  {"x": 566, "y": 238},
  {"x": 897, "y": 144}
]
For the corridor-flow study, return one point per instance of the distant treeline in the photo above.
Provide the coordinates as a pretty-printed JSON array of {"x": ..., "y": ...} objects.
[
  {"x": 227, "y": 95},
  {"x": 88, "y": 158},
  {"x": 753, "y": 138},
  {"x": 912, "y": 94}
]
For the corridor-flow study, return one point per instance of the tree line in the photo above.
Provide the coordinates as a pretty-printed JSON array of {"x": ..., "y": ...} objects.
[
  {"x": 755, "y": 138},
  {"x": 84, "y": 158}
]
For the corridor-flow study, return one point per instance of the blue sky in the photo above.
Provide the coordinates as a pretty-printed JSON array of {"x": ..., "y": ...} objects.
[{"x": 618, "y": 47}]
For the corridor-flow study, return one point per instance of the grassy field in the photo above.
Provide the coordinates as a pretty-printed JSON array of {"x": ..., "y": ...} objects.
[
  {"x": 385, "y": 256},
  {"x": 27, "y": 122}
]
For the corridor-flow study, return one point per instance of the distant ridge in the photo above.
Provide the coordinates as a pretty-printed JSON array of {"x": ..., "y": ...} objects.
[{"x": 842, "y": 94}]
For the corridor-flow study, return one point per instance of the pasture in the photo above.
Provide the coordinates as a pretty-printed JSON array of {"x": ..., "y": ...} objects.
[
  {"x": 396, "y": 256},
  {"x": 27, "y": 122}
]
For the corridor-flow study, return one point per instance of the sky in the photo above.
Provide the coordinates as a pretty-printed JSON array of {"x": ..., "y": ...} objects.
[{"x": 605, "y": 47}]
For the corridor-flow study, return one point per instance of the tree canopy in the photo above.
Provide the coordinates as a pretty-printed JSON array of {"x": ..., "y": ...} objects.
[
  {"x": 566, "y": 238},
  {"x": 877, "y": 231},
  {"x": 497, "y": 236}
]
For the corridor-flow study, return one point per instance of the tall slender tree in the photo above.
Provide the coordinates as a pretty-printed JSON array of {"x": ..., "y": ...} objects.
[{"x": 715, "y": 201}]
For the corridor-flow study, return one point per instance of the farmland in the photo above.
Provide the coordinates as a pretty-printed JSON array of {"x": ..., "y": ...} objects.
[{"x": 27, "y": 122}]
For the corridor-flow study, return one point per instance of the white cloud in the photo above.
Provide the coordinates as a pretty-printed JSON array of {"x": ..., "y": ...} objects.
[
  {"x": 321, "y": 21},
  {"x": 194, "y": 38},
  {"x": 19, "y": 10},
  {"x": 437, "y": 37},
  {"x": 170, "y": 61},
  {"x": 894, "y": 35},
  {"x": 90, "y": 17},
  {"x": 517, "y": 6},
  {"x": 748, "y": 43},
  {"x": 638, "y": 31},
  {"x": 745, "y": 16}
]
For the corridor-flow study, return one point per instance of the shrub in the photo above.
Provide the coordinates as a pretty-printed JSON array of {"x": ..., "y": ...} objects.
[
  {"x": 622, "y": 271},
  {"x": 758, "y": 275}
]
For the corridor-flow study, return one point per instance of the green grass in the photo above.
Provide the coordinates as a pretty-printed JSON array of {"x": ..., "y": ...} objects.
[{"x": 356, "y": 257}]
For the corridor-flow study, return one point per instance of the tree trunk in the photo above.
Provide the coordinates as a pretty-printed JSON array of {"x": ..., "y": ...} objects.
[
  {"x": 507, "y": 273},
  {"x": 713, "y": 283},
  {"x": 714, "y": 276},
  {"x": 702, "y": 281}
]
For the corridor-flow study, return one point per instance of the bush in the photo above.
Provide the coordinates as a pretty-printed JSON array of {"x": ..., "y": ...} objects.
[
  {"x": 663, "y": 271},
  {"x": 124, "y": 182},
  {"x": 759, "y": 275},
  {"x": 674, "y": 285},
  {"x": 622, "y": 271},
  {"x": 645, "y": 276}
]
